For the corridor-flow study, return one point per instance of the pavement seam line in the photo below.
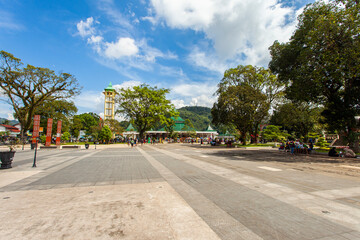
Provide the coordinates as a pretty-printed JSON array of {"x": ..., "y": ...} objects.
[
  {"x": 172, "y": 179},
  {"x": 301, "y": 200}
]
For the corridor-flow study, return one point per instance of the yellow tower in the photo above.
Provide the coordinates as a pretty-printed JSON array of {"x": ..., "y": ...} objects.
[{"x": 109, "y": 107}]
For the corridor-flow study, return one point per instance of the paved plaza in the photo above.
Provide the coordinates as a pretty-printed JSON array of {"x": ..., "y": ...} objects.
[{"x": 179, "y": 191}]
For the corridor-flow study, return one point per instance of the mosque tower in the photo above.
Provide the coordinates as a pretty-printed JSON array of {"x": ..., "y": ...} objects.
[{"x": 109, "y": 106}]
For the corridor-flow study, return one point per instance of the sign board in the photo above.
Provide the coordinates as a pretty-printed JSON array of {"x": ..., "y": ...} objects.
[
  {"x": 48, "y": 132},
  {"x": 36, "y": 126},
  {"x": 58, "y": 134}
]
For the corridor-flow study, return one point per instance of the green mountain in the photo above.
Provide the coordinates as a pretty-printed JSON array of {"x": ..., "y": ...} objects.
[
  {"x": 199, "y": 116},
  {"x": 9, "y": 122}
]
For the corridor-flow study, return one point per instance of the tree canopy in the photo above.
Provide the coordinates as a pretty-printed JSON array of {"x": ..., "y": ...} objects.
[
  {"x": 320, "y": 63},
  {"x": 26, "y": 88},
  {"x": 245, "y": 95},
  {"x": 145, "y": 106}
]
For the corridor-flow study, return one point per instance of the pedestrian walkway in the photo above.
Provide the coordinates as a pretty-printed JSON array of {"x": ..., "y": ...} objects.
[{"x": 171, "y": 192}]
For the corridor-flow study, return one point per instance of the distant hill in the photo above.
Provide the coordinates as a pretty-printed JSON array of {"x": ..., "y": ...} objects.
[
  {"x": 10, "y": 122},
  {"x": 199, "y": 116}
]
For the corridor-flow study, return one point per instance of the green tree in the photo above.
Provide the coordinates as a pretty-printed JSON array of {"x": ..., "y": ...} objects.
[
  {"x": 76, "y": 126},
  {"x": 105, "y": 134},
  {"x": 297, "y": 118},
  {"x": 320, "y": 63},
  {"x": 273, "y": 133},
  {"x": 145, "y": 106},
  {"x": 65, "y": 136},
  {"x": 238, "y": 106},
  {"x": 27, "y": 88},
  {"x": 262, "y": 83},
  {"x": 88, "y": 120}
]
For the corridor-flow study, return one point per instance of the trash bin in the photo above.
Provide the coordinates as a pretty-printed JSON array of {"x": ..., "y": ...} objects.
[
  {"x": 33, "y": 145},
  {"x": 86, "y": 145}
]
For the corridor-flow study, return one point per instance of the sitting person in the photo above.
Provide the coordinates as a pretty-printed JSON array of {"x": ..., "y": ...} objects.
[
  {"x": 333, "y": 153},
  {"x": 349, "y": 153},
  {"x": 282, "y": 146}
]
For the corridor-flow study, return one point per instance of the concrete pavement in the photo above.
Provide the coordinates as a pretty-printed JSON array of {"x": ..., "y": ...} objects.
[{"x": 173, "y": 191}]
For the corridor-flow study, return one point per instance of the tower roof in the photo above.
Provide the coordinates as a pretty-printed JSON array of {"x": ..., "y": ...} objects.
[
  {"x": 210, "y": 129},
  {"x": 130, "y": 128},
  {"x": 109, "y": 88}
]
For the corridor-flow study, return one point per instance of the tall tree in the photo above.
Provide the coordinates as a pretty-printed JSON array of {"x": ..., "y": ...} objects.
[
  {"x": 145, "y": 106},
  {"x": 248, "y": 91},
  {"x": 320, "y": 63},
  {"x": 238, "y": 106},
  {"x": 27, "y": 88}
]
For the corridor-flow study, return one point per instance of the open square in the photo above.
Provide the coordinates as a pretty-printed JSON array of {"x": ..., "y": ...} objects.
[{"x": 179, "y": 191}]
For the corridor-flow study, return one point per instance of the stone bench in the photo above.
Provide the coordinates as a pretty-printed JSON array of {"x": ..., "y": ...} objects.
[{"x": 72, "y": 146}]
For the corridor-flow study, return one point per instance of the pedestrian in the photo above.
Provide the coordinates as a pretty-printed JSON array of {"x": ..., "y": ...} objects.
[{"x": 292, "y": 147}]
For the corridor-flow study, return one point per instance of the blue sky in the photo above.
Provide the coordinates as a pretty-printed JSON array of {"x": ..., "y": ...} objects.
[{"x": 183, "y": 45}]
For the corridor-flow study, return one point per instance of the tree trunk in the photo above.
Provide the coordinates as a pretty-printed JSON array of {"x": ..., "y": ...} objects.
[{"x": 22, "y": 137}]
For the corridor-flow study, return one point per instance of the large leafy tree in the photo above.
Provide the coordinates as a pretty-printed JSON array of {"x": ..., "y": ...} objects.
[
  {"x": 145, "y": 106},
  {"x": 27, "y": 88},
  {"x": 245, "y": 96},
  {"x": 238, "y": 106},
  {"x": 89, "y": 120},
  {"x": 320, "y": 63}
]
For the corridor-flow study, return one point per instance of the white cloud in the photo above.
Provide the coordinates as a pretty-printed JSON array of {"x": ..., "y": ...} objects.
[
  {"x": 8, "y": 21},
  {"x": 203, "y": 100},
  {"x": 90, "y": 101},
  {"x": 239, "y": 30},
  {"x": 124, "y": 54},
  {"x": 109, "y": 8},
  {"x": 193, "y": 89},
  {"x": 86, "y": 28},
  {"x": 207, "y": 61},
  {"x": 124, "y": 47},
  {"x": 193, "y": 94},
  {"x": 127, "y": 84},
  {"x": 6, "y": 111},
  {"x": 179, "y": 103}
]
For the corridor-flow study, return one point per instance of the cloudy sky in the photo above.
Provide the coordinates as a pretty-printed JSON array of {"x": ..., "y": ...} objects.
[{"x": 183, "y": 45}]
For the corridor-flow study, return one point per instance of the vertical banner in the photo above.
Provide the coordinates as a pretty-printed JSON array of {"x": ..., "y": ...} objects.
[
  {"x": 48, "y": 132},
  {"x": 58, "y": 133},
  {"x": 36, "y": 128}
]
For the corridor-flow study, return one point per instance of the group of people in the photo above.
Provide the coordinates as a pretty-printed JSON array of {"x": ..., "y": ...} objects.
[
  {"x": 345, "y": 152},
  {"x": 296, "y": 147}
]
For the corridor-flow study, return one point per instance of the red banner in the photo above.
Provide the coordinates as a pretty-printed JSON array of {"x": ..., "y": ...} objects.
[
  {"x": 48, "y": 132},
  {"x": 58, "y": 134},
  {"x": 36, "y": 127}
]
